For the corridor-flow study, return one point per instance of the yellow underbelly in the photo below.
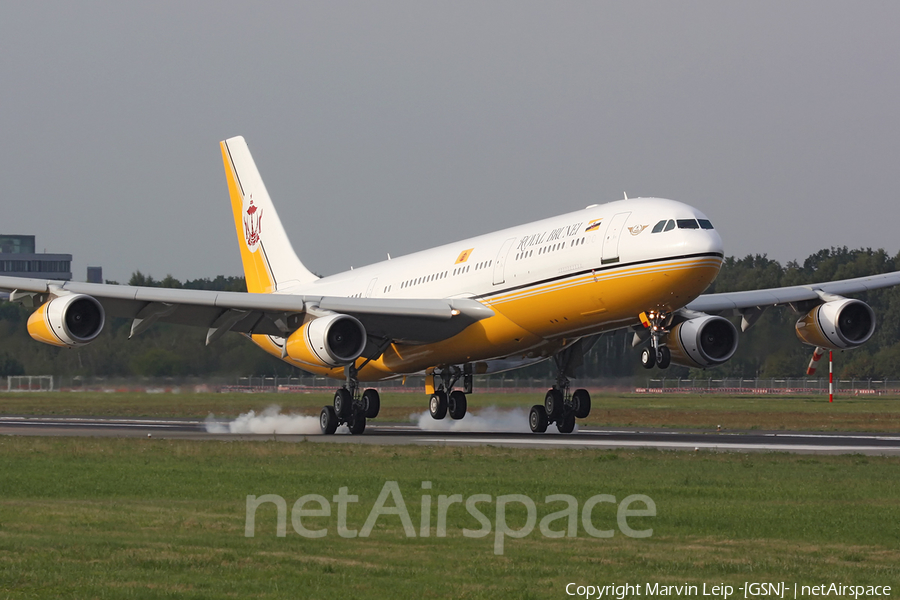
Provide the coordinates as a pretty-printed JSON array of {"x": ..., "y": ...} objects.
[{"x": 537, "y": 320}]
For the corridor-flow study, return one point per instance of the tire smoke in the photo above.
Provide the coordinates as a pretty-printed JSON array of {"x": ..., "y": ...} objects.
[
  {"x": 269, "y": 421},
  {"x": 488, "y": 420}
]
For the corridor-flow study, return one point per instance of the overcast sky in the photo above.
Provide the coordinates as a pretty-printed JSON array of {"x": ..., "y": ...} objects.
[{"x": 391, "y": 127}]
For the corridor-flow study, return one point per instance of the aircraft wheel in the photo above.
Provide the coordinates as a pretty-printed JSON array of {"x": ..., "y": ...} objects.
[
  {"x": 553, "y": 403},
  {"x": 663, "y": 357},
  {"x": 357, "y": 422},
  {"x": 581, "y": 402},
  {"x": 437, "y": 405},
  {"x": 648, "y": 358},
  {"x": 371, "y": 403},
  {"x": 537, "y": 419},
  {"x": 343, "y": 404},
  {"x": 457, "y": 404},
  {"x": 328, "y": 420},
  {"x": 566, "y": 423}
]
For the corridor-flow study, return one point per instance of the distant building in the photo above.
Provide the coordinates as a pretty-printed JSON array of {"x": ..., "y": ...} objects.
[
  {"x": 95, "y": 275},
  {"x": 19, "y": 259}
]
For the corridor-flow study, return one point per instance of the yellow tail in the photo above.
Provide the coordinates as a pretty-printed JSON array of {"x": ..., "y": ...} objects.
[{"x": 270, "y": 263}]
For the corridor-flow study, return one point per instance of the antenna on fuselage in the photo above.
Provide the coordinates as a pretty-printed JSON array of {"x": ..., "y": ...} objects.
[{"x": 625, "y": 194}]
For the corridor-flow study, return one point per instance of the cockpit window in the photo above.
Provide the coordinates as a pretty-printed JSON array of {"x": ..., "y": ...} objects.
[
  {"x": 705, "y": 224},
  {"x": 670, "y": 225},
  {"x": 687, "y": 224},
  {"x": 659, "y": 226}
]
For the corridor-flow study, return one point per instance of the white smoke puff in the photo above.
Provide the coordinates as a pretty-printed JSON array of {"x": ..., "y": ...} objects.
[
  {"x": 488, "y": 420},
  {"x": 269, "y": 421}
]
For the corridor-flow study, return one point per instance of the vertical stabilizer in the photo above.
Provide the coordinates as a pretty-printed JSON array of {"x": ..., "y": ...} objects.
[{"x": 270, "y": 263}]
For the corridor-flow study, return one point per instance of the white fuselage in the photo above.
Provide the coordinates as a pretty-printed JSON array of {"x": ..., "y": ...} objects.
[
  {"x": 523, "y": 255},
  {"x": 548, "y": 282}
]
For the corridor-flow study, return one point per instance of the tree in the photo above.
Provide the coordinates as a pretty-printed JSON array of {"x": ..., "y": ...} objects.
[{"x": 10, "y": 366}]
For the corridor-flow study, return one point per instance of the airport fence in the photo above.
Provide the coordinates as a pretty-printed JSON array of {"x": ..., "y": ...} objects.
[
  {"x": 510, "y": 383},
  {"x": 786, "y": 386}
]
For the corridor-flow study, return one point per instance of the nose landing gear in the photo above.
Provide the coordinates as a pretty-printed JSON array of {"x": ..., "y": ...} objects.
[{"x": 657, "y": 354}]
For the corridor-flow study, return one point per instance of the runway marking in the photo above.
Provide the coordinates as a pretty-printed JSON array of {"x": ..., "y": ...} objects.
[
  {"x": 403, "y": 433},
  {"x": 574, "y": 441}
]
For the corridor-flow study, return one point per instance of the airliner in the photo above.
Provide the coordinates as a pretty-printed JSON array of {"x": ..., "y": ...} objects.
[{"x": 540, "y": 291}]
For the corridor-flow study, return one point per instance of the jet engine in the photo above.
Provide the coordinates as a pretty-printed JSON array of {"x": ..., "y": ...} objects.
[
  {"x": 332, "y": 340},
  {"x": 705, "y": 341},
  {"x": 837, "y": 325},
  {"x": 68, "y": 321}
]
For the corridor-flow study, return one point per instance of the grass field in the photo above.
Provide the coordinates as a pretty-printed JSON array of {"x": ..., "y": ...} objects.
[
  {"x": 126, "y": 518},
  {"x": 814, "y": 413}
]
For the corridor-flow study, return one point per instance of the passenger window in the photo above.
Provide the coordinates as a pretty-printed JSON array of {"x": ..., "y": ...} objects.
[
  {"x": 670, "y": 225},
  {"x": 687, "y": 224},
  {"x": 659, "y": 226},
  {"x": 705, "y": 224}
]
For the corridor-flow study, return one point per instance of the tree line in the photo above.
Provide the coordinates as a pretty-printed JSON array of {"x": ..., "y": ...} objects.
[{"x": 769, "y": 349}]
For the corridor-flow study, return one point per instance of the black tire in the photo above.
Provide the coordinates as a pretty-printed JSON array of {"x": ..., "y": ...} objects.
[
  {"x": 357, "y": 422},
  {"x": 581, "y": 402},
  {"x": 537, "y": 419},
  {"x": 343, "y": 404},
  {"x": 648, "y": 358},
  {"x": 371, "y": 402},
  {"x": 457, "y": 405},
  {"x": 566, "y": 423},
  {"x": 437, "y": 405},
  {"x": 553, "y": 403},
  {"x": 328, "y": 420},
  {"x": 663, "y": 357}
]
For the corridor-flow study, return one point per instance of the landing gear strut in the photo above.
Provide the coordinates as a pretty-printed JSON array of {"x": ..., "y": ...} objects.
[
  {"x": 447, "y": 400},
  {"x": 559, "y": 406},
  {"x": 350, "y": 406},
  {"x": 657, "y": 354}
]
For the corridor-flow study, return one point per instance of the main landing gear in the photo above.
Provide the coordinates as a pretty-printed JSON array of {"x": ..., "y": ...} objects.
[
  {"x": 559, "y": 406},
  {"x": 657, "y": 353},
  {"x": 445, "y": 399},
  {"x": 350, "y": 407}
]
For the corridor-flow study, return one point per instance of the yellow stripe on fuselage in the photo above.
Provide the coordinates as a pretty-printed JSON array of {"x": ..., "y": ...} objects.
[
  {"x": 589, "y": 303},
  {"x": 256, "y": 270}
]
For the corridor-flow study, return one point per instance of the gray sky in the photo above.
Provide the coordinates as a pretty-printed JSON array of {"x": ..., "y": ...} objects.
[{"x": 391, "y": 127}]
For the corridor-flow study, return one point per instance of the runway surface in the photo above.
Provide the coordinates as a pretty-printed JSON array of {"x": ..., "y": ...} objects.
[{"x": 405, "y": 433}]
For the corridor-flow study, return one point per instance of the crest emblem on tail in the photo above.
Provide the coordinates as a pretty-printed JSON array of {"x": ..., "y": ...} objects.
[{"x": 252, "y": 223}]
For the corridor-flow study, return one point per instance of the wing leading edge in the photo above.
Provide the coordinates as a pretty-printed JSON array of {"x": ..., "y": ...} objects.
[
  {"x": 401, "y": 320},
  {"x": 734, "y": 302}
]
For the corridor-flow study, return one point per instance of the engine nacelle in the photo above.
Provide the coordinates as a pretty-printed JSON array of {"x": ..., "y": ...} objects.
[
  {"x": 68, "y": 321},
  {"x": 837, "y": 325},
  {"x": 705, "y": 341},
  {"x": 332, "y": 340}
]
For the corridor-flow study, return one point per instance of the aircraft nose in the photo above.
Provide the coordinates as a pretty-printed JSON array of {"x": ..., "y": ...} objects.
[
  {"x": 701, "y": 241},
  {"x": 710, "y": 241}
]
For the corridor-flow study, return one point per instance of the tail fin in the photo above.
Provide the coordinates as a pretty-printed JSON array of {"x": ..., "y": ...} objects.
[{"x": 270, "y": 263}]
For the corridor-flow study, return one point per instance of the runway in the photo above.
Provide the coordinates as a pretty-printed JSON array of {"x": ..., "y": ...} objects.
[{"x": 405, "y": 433}]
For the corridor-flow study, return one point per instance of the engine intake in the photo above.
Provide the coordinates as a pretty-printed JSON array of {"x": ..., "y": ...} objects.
[
  {"x": 332, "y": 340},
  {"x": 67, "y": 321},
  {"x": 837, "y": 325},
  {"x": 705, "y": 341}
]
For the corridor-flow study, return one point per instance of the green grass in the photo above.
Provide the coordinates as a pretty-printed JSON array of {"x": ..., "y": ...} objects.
[
  {"x": 863, "y": 413},
  {"x": 123, "y": 518}
]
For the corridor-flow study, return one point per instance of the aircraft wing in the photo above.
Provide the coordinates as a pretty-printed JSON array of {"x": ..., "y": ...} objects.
[
  {"x": 735, "y": 302},
  {"x": 403, "y": 320}
]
